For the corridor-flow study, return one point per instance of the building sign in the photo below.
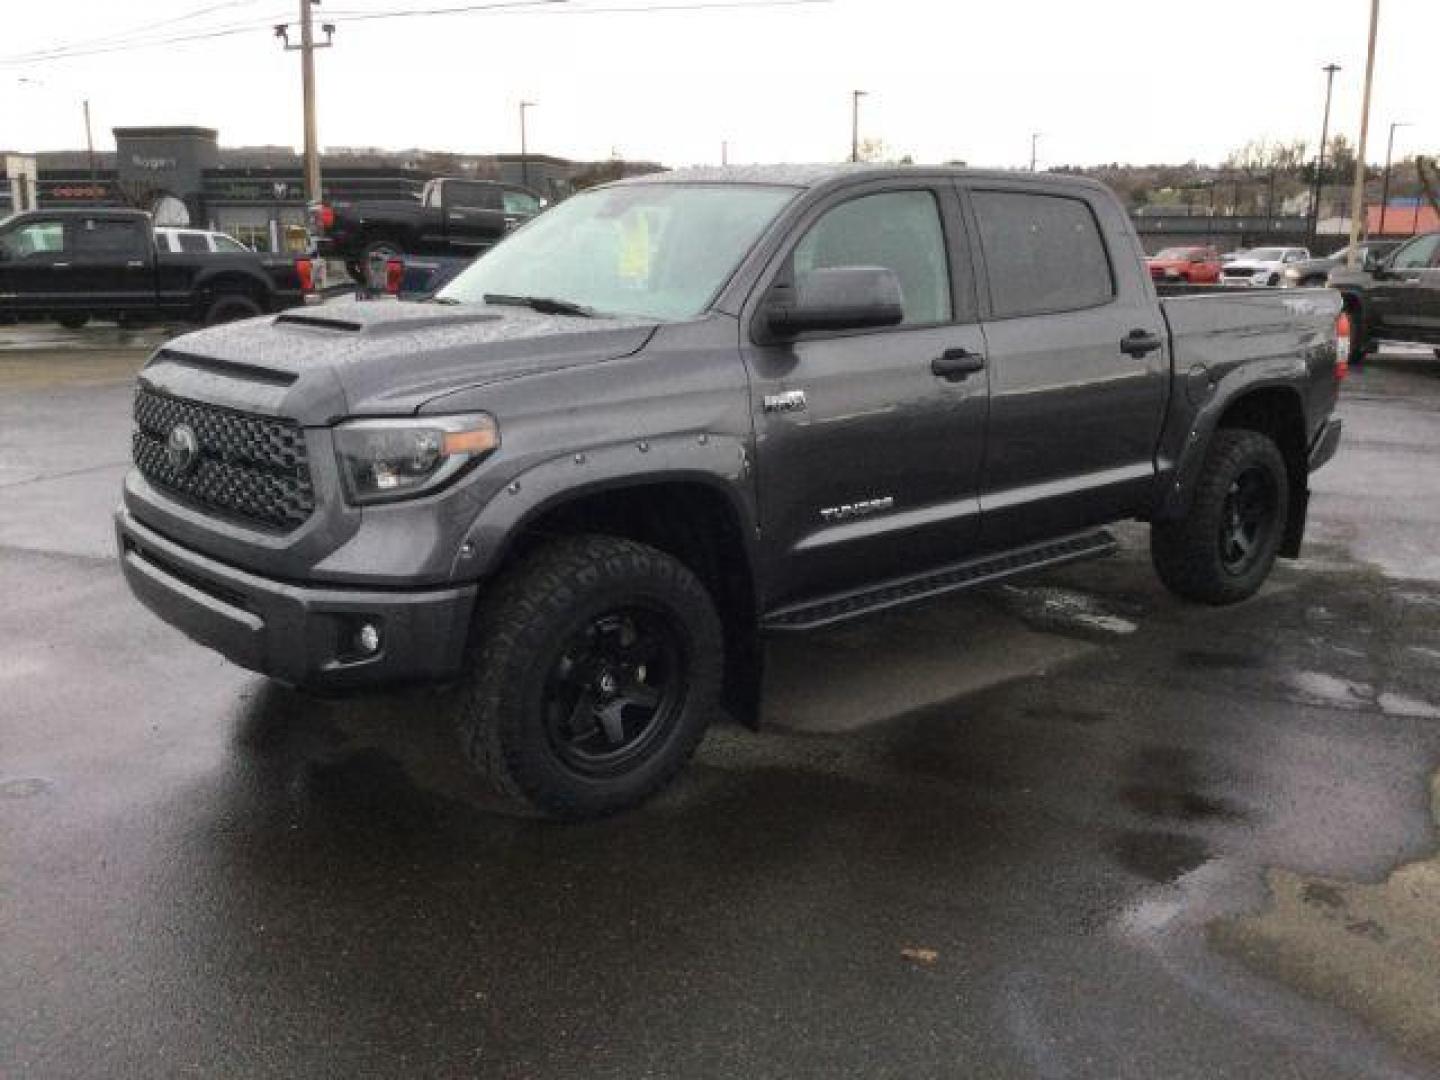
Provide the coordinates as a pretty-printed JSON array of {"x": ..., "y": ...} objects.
[
  {"x": 254, "y": 190},
  {"x": 68, "y": 191},
  {"x": 153, "y": 164}
]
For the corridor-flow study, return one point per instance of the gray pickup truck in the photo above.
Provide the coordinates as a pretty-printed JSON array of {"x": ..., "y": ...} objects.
[{"x": 679, "y": 412}]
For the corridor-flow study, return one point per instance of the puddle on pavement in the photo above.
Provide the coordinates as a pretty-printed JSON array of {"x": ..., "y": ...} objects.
[
  {"x": 1371, "y": 949},
  {"x": 1158, "y": 855},
  {"x": 1051, "y": 608}
]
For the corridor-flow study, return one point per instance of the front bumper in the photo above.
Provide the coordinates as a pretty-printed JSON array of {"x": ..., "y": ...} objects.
[{"x": 303, "y": 636}]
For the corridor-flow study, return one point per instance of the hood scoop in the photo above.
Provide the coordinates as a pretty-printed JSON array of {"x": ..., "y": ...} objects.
[{"x": 380, "y": 318}]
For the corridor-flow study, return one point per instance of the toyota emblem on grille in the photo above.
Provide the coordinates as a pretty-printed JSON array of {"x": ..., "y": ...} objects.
[{"x": 182, "y": 448}]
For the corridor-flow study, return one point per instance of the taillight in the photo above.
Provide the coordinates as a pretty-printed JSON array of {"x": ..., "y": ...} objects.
[
  {"x": 327, "y": 217},
  {"x": 306, "y": 271},
  {"x": 394, "y": 275},
  {"x": 1342, "y": 346}
]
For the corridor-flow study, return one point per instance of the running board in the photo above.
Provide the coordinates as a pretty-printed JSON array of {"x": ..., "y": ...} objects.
[{"x": 966, "y": 575}]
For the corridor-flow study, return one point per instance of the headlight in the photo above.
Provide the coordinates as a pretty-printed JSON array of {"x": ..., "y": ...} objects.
[{"x": 384, "y": 460}]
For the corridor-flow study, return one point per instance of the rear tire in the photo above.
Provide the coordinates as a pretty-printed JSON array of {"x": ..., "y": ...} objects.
[
  {"x": 1222, "y": 551},
  {"x": 595, "y": 674},
  {"x": 72, "y": 322},
  {"x": 231, "y": 307}
]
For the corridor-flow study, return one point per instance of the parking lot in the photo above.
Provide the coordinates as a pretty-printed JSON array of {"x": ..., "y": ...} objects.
[{"x": 1064, "y": 827}]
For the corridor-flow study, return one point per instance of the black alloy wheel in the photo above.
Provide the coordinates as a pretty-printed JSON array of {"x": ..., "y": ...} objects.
[
  {"x": 614, "y": 690},
  {"x": 1246, "y": 519}
]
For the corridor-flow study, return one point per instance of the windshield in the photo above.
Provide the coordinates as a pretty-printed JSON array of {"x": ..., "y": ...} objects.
[
  {"x": 659, "y": 251},
  {"x": 1181, "y": 253},
  {"x": 1265, "y": 255}
]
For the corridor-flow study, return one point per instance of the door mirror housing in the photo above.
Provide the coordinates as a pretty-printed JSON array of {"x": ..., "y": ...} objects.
[
  {"x": 1373, "y": 262},
  {"x": 835, "y": 298}
]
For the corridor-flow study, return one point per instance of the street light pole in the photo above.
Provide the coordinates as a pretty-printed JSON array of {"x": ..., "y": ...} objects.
[
  {"x": 1357, "y": 193},
  {"x": 1385, "y": 187},
  {"x": 89, "y": 142},
  {"x": 1034, "y": 142},
  {"x": 855, "y": 96},
  {"x": 524, "y": 148},
  {"x": 1316, "y": 187}
]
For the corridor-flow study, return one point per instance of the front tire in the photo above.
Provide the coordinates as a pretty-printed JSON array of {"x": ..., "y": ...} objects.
[
  {"x": 1222, "y": 551},
  {"x": 596, "y": 672},
  {"x": 231, "y": 307}
]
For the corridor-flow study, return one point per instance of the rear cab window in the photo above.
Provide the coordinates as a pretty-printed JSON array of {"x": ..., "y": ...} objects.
[
  {"x": 190, "y": 241},
  {"x": 109, "y": 237},
  {"x": 1043, "y": 253}
]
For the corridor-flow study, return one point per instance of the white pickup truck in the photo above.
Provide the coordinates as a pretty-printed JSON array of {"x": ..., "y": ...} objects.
[{"x": 1262, "y": 266}]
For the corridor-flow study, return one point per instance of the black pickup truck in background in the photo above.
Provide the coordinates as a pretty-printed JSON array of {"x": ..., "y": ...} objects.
[
  {"x": 451, "y": 217},
  {"x": 1393, "y": 296},
  {"x": 678, "y": 412},
  {"x": 72, "y": 266}
]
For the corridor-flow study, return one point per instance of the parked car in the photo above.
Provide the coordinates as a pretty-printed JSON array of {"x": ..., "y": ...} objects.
[
  {"x": 452, "y": 217},
  {"x": 1230, "y": 256},
  {"x": 1262, "y": 266},
  {"x": 75, "y": 265},
  {"x": 1315, "y": 272},
  {"x": 172, "y": 239},
  {"x": 678, "y": 412},
  {"x": 1394, "y": 296},
  {"x": 1191, "y": 265}
]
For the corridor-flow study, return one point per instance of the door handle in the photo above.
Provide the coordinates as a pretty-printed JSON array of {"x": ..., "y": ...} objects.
[
  {"x": 955, "y": 364},
  {"x": 1140, "y": 342},
  {"x": 60, "y": 266},
  {"x": 135, "y": 264}
]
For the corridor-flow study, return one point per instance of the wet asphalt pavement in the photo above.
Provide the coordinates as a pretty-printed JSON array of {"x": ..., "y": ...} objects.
[{"x": 1044, "y": 830}]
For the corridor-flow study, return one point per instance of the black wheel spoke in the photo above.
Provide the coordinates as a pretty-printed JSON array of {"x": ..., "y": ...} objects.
[{"x": 612, "y": 720}]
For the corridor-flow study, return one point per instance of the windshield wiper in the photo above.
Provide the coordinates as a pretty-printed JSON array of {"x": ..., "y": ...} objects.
[{"x": 546, "y": 305}]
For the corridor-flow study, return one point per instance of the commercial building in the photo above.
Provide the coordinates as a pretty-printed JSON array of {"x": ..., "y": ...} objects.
[{"x": 184, "y": 177}]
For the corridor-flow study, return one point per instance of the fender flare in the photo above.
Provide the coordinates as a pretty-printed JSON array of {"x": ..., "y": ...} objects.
[{"x": 719, "y": 462}]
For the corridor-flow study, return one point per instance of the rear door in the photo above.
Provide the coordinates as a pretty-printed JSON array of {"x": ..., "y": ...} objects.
[
  {"x": 1405, "y": 303},
  {"x": 868, "y": 462},
  {"x": 474, "y": 213},
  {"x": 35, "y": 266},
  {"x": 114, "y": 262},
  {"x": 1079, "y": 366}
]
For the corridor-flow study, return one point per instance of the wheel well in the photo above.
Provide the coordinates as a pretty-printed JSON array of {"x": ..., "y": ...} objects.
[
  {"x": 695, "y": 524},
  {"x": 230, "y": 285},
  {"x": 1277, "y": 413}
]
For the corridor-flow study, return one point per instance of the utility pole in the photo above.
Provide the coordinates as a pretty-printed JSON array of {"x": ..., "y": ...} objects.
[
  {"x": 307, "y": 48},
  {"x": 524, "y": 147},
  {"x": 1315, "y": 188},
  {"x": 1034, "y": 142},
  {"x": 855, "y": 96},
  {"x": 89, "y": 142},
  {"x": 724, "y": 152},
  {"x": 1357, "y": 194},
  {"x": 1385, "y": 187}
]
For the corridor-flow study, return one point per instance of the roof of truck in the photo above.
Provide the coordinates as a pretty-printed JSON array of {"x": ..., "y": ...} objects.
[{"x": 811, "y": 176}]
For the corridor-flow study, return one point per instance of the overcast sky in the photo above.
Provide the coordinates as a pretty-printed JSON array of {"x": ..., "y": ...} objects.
[{"x": 1103, "y": 80}]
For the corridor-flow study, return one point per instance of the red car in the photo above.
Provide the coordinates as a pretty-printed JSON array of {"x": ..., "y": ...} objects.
[{"x": 1191, "y": 265}]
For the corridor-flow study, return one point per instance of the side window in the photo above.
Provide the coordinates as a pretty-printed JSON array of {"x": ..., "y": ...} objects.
[
  {"x": 898, "y": 230},
  {"x": 1043, "y": 253},
  {"x": 99, "y": 236},
  {"x": 1418, "y": 254},
  {"x": 472, "y": 196},
  {"x": 34, "y": 238},
  {"x": 224, "y": 243},
  {"x": 191, "y": 241},
  {"x": 520, "y": 202}
]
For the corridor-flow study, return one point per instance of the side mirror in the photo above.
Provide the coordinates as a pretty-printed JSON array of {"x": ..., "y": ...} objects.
[
  {"x": 836, "y": 298},
  {"x": 1373, "y": 262}
]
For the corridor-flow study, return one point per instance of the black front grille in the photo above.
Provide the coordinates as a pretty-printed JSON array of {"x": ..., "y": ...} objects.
[
  {"x": 1238, "y": 271},
  {"x": 249, "y": 467}
]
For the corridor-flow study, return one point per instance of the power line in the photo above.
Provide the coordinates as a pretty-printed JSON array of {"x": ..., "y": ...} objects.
[
  {"x": 140, "y": 31},
  {"x": 131, "y": 40}
]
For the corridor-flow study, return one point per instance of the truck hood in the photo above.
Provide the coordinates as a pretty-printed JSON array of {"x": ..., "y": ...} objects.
[{"x": 378, "y": 358}]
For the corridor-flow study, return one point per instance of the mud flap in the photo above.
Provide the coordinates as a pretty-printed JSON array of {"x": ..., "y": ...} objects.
[{"x": 1295, "y": 524}]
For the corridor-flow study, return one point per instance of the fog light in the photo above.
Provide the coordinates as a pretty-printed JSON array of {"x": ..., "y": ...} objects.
[{"x": 368, "y": 639}]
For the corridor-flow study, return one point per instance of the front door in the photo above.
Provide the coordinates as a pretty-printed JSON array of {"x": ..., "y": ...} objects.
[
  {"x": 868, "y": 461},
  {"x": 1079, "y": 371},
  {"x": 474, "y": 213},
  {"x": 35, "y": 266}
]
